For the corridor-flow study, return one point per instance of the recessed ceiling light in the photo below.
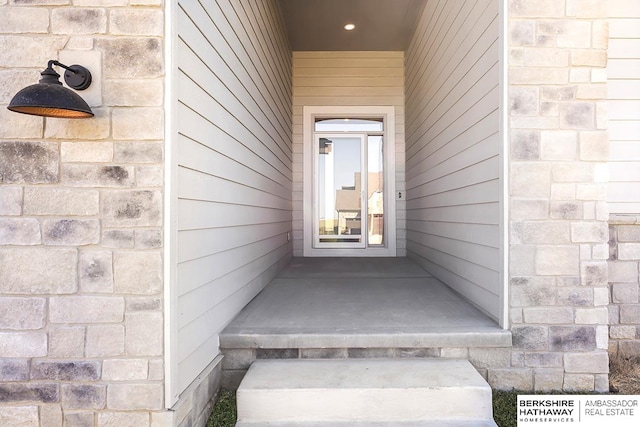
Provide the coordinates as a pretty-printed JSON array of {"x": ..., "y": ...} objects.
[{"x": 349, "y": 27}]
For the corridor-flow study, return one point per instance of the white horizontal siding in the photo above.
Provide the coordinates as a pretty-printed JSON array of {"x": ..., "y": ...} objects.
[
  {"x": 345, "y": 79},
  {"x": 233, "y": 167},
  {"x": 623, "y": 71},
  {"x": 453, "y": 155}
]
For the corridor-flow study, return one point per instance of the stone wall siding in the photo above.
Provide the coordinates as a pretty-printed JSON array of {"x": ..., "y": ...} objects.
[
  {"x": 81, "y": 214},
  {"x": 558, "y": 146},
  {"x": 624, "y": 310}
]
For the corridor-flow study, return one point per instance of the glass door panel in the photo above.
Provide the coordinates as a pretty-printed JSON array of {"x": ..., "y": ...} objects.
[{"x": 340, "y": 211}]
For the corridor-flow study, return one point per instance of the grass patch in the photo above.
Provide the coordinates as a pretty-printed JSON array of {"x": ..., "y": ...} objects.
[
  {"x": 224, "y": 413},
  {"x": 504, "y": 408},
  {"x": 624, "y": 376}
]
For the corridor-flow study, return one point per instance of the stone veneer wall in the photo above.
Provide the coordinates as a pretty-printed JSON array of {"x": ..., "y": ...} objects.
[
  {"x": 558, "y": 214},
  {"x": 624, "y": 260},
  {"x": 81, "y": 202}
]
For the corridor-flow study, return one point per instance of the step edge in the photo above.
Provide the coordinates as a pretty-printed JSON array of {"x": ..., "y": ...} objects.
[
  {"x": 260, "y": 375},
  {"x": 313, "y": 340}
]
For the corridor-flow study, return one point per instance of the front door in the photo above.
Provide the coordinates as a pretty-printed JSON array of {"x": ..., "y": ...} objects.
[{"x": 349, "y": 203}]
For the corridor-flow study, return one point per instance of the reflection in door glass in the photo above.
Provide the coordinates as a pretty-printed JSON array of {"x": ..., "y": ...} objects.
[
  {"x": 375, "y": 196},
  {"x": 339, "y": 190}
]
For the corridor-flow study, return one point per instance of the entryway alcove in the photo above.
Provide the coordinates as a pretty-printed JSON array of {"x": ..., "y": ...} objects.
[{"x": 245, "y": 72}]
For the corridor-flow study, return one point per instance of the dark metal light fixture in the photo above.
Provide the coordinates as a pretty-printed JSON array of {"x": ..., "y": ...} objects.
[{"x": 49, "y": 98}]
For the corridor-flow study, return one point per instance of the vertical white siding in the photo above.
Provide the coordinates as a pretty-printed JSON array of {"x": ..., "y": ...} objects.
[
  {"x": 624, "y": 106},
  {"x": 339, "y": 79},
  {"x": 234, "y": 166},
  {"x": 453, "y": 148}
]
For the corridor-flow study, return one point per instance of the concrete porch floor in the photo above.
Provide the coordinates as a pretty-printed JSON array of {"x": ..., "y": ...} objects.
[{"x": 360, "y": 303}]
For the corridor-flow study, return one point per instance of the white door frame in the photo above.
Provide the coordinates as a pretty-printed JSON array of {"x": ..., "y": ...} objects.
[{"x": 388, "y": 115}]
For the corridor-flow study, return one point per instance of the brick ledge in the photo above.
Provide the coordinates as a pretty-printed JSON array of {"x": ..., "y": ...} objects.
[{"x": 624, "y": 219}]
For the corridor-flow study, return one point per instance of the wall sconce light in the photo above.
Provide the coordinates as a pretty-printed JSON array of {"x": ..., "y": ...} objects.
[{"x": 49, "y": 98}]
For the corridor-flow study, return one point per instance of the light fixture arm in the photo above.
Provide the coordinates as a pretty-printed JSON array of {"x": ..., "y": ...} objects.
[
  {"x": 75, "y": 76},
  {"x": 59, "y": 64}
]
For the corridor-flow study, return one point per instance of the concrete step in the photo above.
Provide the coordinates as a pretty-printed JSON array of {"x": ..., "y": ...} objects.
[{"x": 358, "y": 392}]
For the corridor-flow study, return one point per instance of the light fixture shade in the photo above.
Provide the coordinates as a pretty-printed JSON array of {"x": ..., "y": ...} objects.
[{"x": 49, "y": 98}]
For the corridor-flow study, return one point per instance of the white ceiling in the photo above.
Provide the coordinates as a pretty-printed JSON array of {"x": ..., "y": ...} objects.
[{"x": 380, "y": 24}]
